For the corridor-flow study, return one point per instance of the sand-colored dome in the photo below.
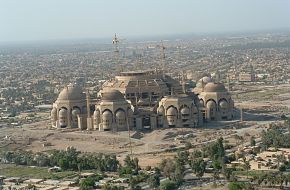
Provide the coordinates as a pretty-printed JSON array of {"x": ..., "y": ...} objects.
[
  {"x": 214, "y": 87},
  {"x": 112, "y": 95},
  {"x": 72, "y": 92}
]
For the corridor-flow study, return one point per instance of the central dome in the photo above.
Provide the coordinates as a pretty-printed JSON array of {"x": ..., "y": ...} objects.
[
  {"x": 214, "y": 87},
  {"x": 112, "y": 95},
  {"x": 72, "y": 92}
]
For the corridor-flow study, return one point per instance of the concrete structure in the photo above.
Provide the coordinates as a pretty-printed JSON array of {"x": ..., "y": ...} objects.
[
  {"x": 215, "y": 102},
  {"x": 70, "y": 108},
  {"x": 142, "y": 100}
]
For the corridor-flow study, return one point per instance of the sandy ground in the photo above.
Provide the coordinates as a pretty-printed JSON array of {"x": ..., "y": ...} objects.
[{"x": 148, "y": 146}]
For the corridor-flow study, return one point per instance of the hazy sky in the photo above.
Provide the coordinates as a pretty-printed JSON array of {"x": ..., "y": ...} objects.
[{"x": 65, "y": 19}]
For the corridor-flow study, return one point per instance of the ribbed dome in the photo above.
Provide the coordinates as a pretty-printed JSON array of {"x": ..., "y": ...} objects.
[
  {"x": 72, "y": 92},
  {"x": 112, "y": 95},
  {"x": 214, "y": 87}
]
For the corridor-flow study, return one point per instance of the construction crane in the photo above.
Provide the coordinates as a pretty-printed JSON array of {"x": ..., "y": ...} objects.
[
  {"x": 162, "y": 57},
  {"x": 116, "y": 41}
]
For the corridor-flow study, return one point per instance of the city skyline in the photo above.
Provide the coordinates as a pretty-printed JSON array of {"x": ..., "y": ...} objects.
[{"x": 52, "y": 20}]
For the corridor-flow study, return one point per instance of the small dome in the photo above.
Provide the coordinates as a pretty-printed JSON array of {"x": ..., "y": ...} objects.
[
  {"x": 210, "y": 104},
  {"x": 171, "y": 111},
  {"x": 72, "y": 92},
  {"x": 112, "y": 95},
  {"x": 185, "y": 111},
  {"x": 214, "y": 87},
  {"x": 223, "y": 104},
  {"x": 75, "y": 112},
  {"x": 62, "y": 112}
]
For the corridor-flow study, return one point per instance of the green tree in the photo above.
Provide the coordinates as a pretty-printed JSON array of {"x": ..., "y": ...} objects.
[
  {"x": 87, "y": 183},
  {"x": 253, "y": 141},
  {"x": 198, "y": 167},
  {"x": 236, "y": 186},
  {"x": 168, "y": 185},
  {"x": 154, "y": 181}
]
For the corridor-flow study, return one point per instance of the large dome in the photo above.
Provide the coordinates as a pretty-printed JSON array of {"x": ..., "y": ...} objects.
[
  {"x": 214, "y": 87},
  {"x": 72, "y": 92},
  {"x": 112, "y": 95}
]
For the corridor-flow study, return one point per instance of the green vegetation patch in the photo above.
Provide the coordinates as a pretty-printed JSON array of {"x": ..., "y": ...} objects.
[{"x": 33, "y": 172}]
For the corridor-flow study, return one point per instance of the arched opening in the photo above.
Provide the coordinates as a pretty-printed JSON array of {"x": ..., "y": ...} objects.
[
  {"x": 107, "y": 120},
  {"x": 171, "y": 116}
]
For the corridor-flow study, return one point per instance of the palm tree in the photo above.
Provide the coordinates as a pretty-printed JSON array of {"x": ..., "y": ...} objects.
[{"x": 247, "y": 166}]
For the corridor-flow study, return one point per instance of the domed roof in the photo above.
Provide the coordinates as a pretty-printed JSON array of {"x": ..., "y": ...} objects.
[
  {"x": 214, "y": 87},
  {"x": 112, "y": 95},
  {"x": 72, "y": 92}
]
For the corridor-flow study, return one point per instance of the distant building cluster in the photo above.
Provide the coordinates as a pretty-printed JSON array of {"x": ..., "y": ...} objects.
[{"x": 142, "y": 100}]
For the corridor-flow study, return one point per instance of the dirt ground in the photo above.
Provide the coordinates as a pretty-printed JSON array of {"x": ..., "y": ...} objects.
[{"x": 150, "y": 146}]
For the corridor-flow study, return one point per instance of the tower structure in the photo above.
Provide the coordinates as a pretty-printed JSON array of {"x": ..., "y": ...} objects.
[
  {"x": 89, "y": 118},
  {"x": 116, "y": 42}
]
